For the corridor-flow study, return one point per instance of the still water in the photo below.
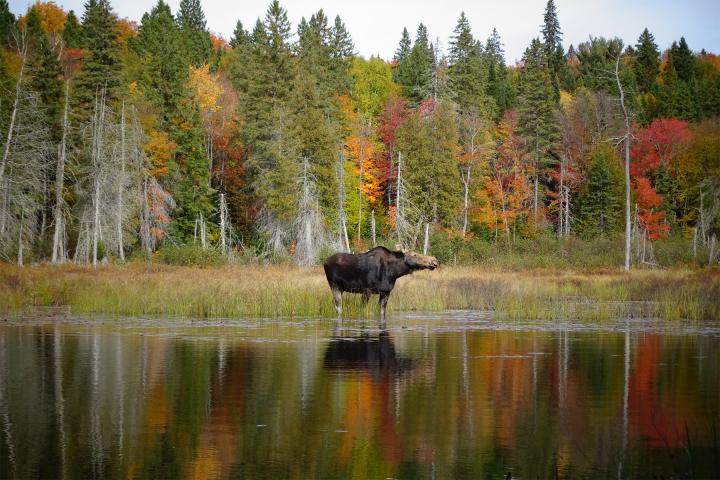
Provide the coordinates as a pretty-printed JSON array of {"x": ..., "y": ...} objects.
[{"x": 456, "y": 395}]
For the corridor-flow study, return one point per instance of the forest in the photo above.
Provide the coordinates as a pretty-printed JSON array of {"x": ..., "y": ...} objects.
[{"x": 159, "y": 139}]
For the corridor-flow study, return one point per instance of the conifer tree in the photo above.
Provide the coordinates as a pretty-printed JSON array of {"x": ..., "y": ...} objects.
[
  {"x": 466, "y": 74},
  {"x": 682, "y": 60},
  {"x": 600, "y": 203},
  {"x": 45, "y": 72},
  {"x": 159, "y": 46},
  {"x": 193, "y": 32},
  {"x": 343, "y": 51},
  {"x": 72, "y": 34},
  {"x": 101, "y": 68},
  {"x": 647, "y": 62},
  {"x": 7, "y": 22},
  {"x": 552, "y": 41},
  {"x": 240, "y": 36},
  {"x": 537, "y": 107},
  {"x": 500, "y": 87},
  {"x": 404, "y": 46}
]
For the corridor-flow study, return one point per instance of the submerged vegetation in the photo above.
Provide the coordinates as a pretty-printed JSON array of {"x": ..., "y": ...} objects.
[{"x": 283, "y": 291}]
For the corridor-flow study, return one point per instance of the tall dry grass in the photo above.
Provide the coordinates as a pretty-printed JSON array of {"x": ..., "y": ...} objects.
[{"x": 273, "y": 291}]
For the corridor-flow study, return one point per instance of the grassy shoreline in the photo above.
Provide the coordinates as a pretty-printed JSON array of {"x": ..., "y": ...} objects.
[{"x": 275, "y": 291}]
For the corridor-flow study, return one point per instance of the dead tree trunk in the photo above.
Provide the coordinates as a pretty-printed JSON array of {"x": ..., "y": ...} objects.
[
  {"x": 13, "y": 115},
  {"x": 626, "y": 139},
  {"x": 58, "y": 252},
  {"x": 121, "y": 185}
]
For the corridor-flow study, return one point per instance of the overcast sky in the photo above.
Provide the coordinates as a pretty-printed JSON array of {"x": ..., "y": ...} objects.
[{"x": 376, "y": 25}]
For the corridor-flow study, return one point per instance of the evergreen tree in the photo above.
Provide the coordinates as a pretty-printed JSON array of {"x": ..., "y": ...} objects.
[
  {"x": 682, "y": 60},
  {"x": 190, "y": 174},
  {"x": 101, "y": 67},
  {"x": 552, "y": 40},
  {"x": 404, "y": 47},
  {"x": 676, "y": 96},
  {"x": 343, "y": 51},
  {"x": 667, "y": 186},
  {"x": 500, "y": 87},
  {"x": 597, "y": 65},
  {"x": 45, "y": 72},
  {"x": 7, "y": 22},
  {"x": 240, "y": 36},
  {"x": 72, "y": 33},
  {"x": 159, "y": 47},
  {"x": 193, "y": 32},
  {"x": 466, "y": 73},
  {"x": 647, "y": 62},
  {"x": 601, "y": 201},
  {"x": 418, "y": 68}
]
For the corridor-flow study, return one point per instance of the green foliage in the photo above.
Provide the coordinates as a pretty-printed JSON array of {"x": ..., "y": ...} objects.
[
  {"x": 72, "y": 33},
  {"x": 500, "y": 82},
  {"x": 466, "y": 72},
  {"x": 646, "y": 62},
  {"x": 372, "y": 84},
  {"x": 7, "y": 23},
  {"x": 600, "y": 204},
  {"x": 197, "y": 46},
  {"x": 101, "y": 68},
  {"x": 552, "y": 41},
  {"x": 414, "y": 72},
  {"x": 190, "y": 256}
]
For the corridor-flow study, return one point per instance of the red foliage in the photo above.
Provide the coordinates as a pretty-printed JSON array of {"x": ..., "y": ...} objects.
[
  {"x": 662, "y": 141},
  {"x": 648, "y": 202},
  {"x": 394, "y": 115}
]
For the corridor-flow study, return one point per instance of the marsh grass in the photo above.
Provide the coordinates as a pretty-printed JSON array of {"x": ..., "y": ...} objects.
[{"x": 283, "y": 291}]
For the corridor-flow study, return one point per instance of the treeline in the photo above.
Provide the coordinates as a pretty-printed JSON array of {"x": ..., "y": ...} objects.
[{"x": 121, "y": 138}]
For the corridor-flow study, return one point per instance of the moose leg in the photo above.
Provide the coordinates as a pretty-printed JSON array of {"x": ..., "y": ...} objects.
[
  {"x": 337, "y": 300},
  {"x": 365, "y": 297},
  {"x": 383, "y": 305}
]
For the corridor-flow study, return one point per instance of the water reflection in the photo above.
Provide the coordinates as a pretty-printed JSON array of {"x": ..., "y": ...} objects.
[{"x": 427, "y": 398}]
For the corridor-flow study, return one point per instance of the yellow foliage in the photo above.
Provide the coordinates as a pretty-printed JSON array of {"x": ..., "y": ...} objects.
[
  {"x": 52, "y": 17},
  {"x": 566, "y": 99},
  {"x": 207, "y": 88},
  {"x": 159, "y": 150}
]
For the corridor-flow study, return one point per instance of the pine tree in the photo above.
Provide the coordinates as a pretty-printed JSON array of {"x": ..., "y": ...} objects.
[
  {"x": 647, "y": 62},
  {"x": 7, "y": 22},
  {"x": 600, "y": 203},
  {"x": 466, "y": 73},
  {"x": 193, "y": 32},
  {"x": 552, "y": 40},
  {"x": 101, "y": 68}
]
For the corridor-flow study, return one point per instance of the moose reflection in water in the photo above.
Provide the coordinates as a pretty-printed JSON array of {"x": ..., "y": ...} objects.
[
  {"x": 373, "y": 354},
  {"x": 372, "y": 272}
]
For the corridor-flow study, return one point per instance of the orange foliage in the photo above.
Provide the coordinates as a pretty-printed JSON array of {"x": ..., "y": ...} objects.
[
  {"x": 648, "y": 202},
  {"x": 52, "y": 17},
  {"x": 127, "y": 29},
  {"x": 218, "y": 42},
  {"x": 159, "y": 150}
]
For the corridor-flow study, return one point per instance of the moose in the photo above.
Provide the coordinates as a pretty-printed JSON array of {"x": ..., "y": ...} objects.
[{"x": 372, "y": 272}]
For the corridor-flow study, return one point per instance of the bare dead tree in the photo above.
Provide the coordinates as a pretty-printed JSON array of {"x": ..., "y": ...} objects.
[
  {"x": 308, "y": 224},
  {"x": 59, "y": 236},
  {"x": 21, "y": 41},
  {"x": 626, "y": 141}
]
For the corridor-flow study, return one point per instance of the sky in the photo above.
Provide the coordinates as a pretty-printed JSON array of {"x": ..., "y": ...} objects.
[{"x": 376, "y": 25}]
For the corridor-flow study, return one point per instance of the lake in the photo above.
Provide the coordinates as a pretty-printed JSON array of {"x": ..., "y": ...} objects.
[{"x": 451, "y": 395}]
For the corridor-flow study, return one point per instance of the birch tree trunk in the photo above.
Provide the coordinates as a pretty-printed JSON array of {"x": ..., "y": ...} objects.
[
  {"x": 426, "y": 243},
  {"x": 466, "y": 183},
  {"x": 121, "y": 185},
  {"x": 58, "y": 252},
  {"x": 626, "y": 117}
]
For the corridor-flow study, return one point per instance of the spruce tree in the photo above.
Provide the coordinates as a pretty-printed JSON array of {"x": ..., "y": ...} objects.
[
  {"x": 466, "y": 73},
  {"x": 240, "y": 36},
  {"x": 7, "y": 23},
  {"x": 682, "y": 60},
  {"x": 193, "y": 32},
  {"x": 500, "y": 87},
  {"x": 537, "y": 120},
  {"x": 647, "y": 62},
  {"x": 600, "y": 203},
  {"x": 45, "y": 72},
  {"x": 72, "y": 34},
  {"x": 552, "y": 40},
  {"x": 667, "y": 186},
  {"x": 101, "y": 67},
  {"x": 159, "y": 46},
  {"x": 343, "y": 51},
  {"x": 404, "y": 46},
  {"x": 417, "y": 68}
]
